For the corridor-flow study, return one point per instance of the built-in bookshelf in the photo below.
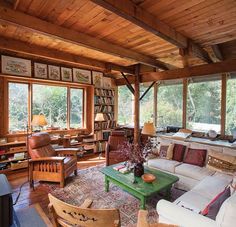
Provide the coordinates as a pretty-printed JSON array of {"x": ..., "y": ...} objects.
[
  {"x": 104, "y": 102},
  {"x": 13, "y": 156}
]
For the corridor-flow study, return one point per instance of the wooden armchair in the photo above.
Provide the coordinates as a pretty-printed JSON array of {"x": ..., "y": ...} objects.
[
  {"x": 48, "y": 164},
  {"x": 142, "y": 221},
  {"x": 64, "y": 214}
]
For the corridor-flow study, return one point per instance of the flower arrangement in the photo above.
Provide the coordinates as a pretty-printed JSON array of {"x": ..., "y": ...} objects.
[{"x": 135, "y": 153}]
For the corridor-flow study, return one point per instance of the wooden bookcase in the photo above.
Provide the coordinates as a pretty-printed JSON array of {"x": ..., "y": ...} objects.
[
  {"x": 8, "y": 152},
  {"x": 104, "y": 102}
]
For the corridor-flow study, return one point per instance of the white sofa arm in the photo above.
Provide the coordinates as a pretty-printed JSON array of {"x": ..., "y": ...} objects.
[{"x": 181, "y": 216}]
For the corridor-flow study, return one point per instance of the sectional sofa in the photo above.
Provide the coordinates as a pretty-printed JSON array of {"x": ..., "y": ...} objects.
[{"x": 201, "y": 185}]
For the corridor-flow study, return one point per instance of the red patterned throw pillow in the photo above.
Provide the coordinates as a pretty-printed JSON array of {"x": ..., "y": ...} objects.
[
  {"x": 195, "y": 157},
  {"x": 178, "y": 152},
  {"x": 163, "y": 151}
]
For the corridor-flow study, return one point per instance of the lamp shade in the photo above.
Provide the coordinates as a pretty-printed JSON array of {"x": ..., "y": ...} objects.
[
  {"x": 39, "y": 120},
  {"x": 99, "y": 117},
  {"x": 148, "y": 129}
]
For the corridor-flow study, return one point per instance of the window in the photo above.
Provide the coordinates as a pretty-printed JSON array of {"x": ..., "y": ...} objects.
[
  {"x": 170, "y": 105},
  {"x": 204, "y": 105},
  {"x": 50, "y": 100},
  {"x": 146, "y": 104},
  {"x": 18, "y": 106},
  {"x": 125, "y": 106},
  {"x": 76, "y": 108},
  {"x": 230, "y": 106}
]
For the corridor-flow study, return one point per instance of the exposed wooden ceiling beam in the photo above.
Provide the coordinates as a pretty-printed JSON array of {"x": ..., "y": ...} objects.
[
  {"x": 200, "y": 70},
  {"x": 58, "y": 56},
  {"x": 40, "y": 26},
  {"x": 217, "y": 52},
  {"x": 139, "y": 16}
]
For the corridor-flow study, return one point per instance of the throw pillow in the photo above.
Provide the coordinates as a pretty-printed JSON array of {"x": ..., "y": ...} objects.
[
  {"x": 195, "y": 157},
  {"x": 215, "y": 206},
  {"x": 163, "y": 151},
  {"x": 170, "y": 151},
  {"x": 178, "y": 152}
]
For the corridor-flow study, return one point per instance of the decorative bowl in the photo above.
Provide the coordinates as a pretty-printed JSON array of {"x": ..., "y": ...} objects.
[{"x": 148, "y": 177}]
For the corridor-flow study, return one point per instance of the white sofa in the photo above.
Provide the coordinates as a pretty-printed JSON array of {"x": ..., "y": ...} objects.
[{"x": 202, "y": 185}]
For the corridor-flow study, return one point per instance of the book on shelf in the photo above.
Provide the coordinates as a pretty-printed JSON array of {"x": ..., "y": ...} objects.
[{"x": 104, "y": 92}]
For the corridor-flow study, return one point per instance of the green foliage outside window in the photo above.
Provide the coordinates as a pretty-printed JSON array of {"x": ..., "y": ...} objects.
[
  {"x": 170, "y": 105},
  {"x": 18, "y": 106},
  {"x": 204, "y": 105},
  {"x": 51, "y": 101},
  {"x": 76, "y": 108},
  {"x": 231, "y": 106}
]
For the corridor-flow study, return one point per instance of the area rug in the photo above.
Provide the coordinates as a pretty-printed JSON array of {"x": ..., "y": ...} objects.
[{"x": 90, "y": 184}]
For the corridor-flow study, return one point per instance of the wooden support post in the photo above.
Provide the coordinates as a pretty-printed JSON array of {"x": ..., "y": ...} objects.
[
  {"x": 185, "y": 95},
  {"x": 136, "y": 105},
  {"x": 155, "y": 104},
  {"x": 223, "y": 103}
]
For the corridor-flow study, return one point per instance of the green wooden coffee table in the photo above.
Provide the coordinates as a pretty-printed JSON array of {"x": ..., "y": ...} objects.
[{"x": 140, "y": 190}]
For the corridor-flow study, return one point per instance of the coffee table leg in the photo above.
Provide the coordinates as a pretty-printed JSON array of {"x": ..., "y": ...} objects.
[
  {"x": 106, "y": 184},
  {"x": 143, "y": 203},
  {"x": 168, "y": 193}
]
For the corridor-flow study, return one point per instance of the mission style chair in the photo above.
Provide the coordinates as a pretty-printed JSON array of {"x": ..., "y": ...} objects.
[
  {"x": 48, "y": 164},
  {"x": 66, "y": 215}
]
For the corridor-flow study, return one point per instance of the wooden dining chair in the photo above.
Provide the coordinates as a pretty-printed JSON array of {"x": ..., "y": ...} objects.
[
  {"x": 64, "y": 214},
  {"x": 142, "y": 221}
]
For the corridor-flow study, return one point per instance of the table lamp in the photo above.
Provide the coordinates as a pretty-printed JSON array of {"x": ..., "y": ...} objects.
[
  {"x": 39, "y": 121},
  {"x": 149, "y": 129},
  {"x": 99, "y": 117}
]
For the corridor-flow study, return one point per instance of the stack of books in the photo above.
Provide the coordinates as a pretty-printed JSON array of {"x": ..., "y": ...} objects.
[{"x": 122, "y": 169}]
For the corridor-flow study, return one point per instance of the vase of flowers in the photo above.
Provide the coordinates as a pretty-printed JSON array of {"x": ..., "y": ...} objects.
[{"x": 136, "y": 155}]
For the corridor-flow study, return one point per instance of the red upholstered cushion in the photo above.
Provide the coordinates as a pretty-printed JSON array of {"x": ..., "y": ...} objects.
[
  {"x": 195, "y": 157},
  {"x": 213, "y": 207},
  {"x": 178, "y": 152}
]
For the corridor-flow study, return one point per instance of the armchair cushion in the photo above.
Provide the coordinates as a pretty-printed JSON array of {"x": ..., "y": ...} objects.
[{"x": 69, "y": 161}]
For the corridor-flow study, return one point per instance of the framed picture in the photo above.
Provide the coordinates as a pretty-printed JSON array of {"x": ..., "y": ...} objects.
[
  {"x": 106, "y": 82},
  {"x": 66, "y": 74},
  {"x": 54, "y": 72},
  {"x": 82, "y": 76},
  {"x": 16, "y": 66},
  {"x": 97, "y": 78},
  {"x": 40, "y": 70}
]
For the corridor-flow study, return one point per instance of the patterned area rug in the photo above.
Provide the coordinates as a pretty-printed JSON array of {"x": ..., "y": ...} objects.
[{"x": 90, "y": 184}]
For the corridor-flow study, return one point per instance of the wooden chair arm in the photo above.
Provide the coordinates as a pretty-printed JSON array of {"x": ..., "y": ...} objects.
[
  {"x": 53, "y": 159},
  {"x": 142, "y": 219},
  {"x": 69, "y": 151},
  {"x": 87, "y": 203}
]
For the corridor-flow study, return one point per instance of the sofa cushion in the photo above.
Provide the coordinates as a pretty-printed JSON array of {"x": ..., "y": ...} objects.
[
  {"x": 178, "y": 152},
  {"x": 226, "y": 214},
  {"x": 163, "y": 164},
  {"x": 193, "y": 171},
  {"x": 194, "y": 199},
  {"x": 163, "y": 151},
  {"x": 195, "y": 157},
  {"x": 215, "y": 206},
  {"x": 211, "y": 186}
]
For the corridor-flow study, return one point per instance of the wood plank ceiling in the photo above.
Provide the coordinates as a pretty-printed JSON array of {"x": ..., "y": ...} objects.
[{"x": 206, "y": 22}]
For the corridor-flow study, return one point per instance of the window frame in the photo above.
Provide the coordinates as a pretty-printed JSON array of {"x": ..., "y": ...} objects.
[{"x": 30, "y": 84}]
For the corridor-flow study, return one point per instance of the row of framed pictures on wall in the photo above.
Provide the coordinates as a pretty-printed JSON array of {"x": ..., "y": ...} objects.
[{"x": 22, "y": 67}]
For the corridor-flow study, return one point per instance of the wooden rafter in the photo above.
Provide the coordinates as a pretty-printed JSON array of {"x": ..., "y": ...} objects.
[
  {"x": 58, "y": 56},
  {"x": 217, "y": 52},
  {"x": 28, "y": 22},
  {"x": 139, "y": 16},
  {"x": 200, "y": 70}
]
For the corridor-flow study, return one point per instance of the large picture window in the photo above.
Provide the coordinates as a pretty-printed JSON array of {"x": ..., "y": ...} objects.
[
  {"x": 146, "y": 104},
  {"x": 170, "y": 104},
  {"x": 204, "y": 105},
  {"x": 231, "y": 105},
  {"x": 18, "y": 106},
  {"x": 125, "y": 106},
  {"x": 50, "y": 100}
]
